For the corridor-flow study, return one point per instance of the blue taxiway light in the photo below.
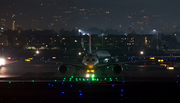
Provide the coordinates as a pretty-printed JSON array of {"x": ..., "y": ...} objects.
[
  {"x": 112, "y": 85},
  {"x": 70, "y": 85},
  {"x": 177, "y": 75},
  {"x": 49, "y": 84},
  {"x": 52, "y": 85},
  {"x": 79, "y": 90},
  {"x": 121, "y": 90},
  {"x": 62, "y": 92},
  {"x": 176, "y": 81},
  {"x": 123, "y": 81},
  {"x": 80, "y": 94},
  {"x": 62, "y": 82},
  {"x": 121, "y": 95},
  {"x": 88, "y": 81}
]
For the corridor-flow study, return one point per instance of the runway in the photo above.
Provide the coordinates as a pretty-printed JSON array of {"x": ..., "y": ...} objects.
[
  {"x": 48, "y": 71},
  {"x": 36, "y": 81}
]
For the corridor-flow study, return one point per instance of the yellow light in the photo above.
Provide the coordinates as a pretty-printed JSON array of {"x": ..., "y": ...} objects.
[
  {"x": 162, "y": 65},
  {"x": 90, "y": 66},
  {"x": 160, "y": 60},
  {"x": 8, "y": 57},
  {"x": 27, "y": 60},
  {"x": 170, "y": 68},
  {"x": 88, "y": 71},
  {"x": 152, "y": 57},
  {"x": 30, "y": 58}
]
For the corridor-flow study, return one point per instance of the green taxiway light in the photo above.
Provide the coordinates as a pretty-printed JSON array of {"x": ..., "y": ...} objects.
[
  {"x": 104, "y": 78},
  {"x": 71, "y": 76},
  {"x": 9, "y": 81},
  {"x": 55, "y": 80},
  {"x": 83, "y": 79},
  {"x": 80, "y": 79},
  {"x": 115, "y": 78},
  {"x": 64, "y": 78},
  {"x": 32, "y": 80}
]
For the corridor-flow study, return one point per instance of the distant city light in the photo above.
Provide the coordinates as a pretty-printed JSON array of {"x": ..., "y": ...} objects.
[{"x": 141, "y": 52}]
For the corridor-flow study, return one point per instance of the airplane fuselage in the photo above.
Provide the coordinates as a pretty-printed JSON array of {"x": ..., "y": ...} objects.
[{"x": 90, "y": 61}]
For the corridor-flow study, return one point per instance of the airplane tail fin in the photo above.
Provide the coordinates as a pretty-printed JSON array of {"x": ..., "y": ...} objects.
[{"x": 89, "y": 43}]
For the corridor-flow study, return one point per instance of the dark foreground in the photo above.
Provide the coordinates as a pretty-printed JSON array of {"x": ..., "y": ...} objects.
[{"x": 88, "y": 92}]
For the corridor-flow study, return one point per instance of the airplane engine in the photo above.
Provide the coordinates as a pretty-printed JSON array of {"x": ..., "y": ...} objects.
[
  {"x": 62, "y": 69},
  {"x": 117, "y": 69}
]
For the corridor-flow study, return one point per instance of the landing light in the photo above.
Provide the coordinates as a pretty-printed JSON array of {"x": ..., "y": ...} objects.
[
  {"x": 87, "y": 75},
  {"x": 90, "y": 71},
  {"x": 141, "y": 52}
]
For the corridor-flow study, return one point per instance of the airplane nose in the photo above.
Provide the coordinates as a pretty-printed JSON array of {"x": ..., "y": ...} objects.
[{"x": 90, "y": 66}]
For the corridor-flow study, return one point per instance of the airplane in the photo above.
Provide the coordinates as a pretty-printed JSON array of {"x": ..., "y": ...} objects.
[{"x": 90, "y": 63}]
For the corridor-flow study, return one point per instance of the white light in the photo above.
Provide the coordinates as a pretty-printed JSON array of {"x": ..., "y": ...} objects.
[
  {"x": 93, "y": 75},
  {"x": 37, "y": 52},
  {"x": 141, "y": 52},
  {"x": 154, "y": 30},
  {"x": 79, "y": 30},
  {"x": 87, "y": 75},
  {"x": 83, "y": 34},
  {"x": 79, "y": 53},
  {"x": 2, "y": 61}
]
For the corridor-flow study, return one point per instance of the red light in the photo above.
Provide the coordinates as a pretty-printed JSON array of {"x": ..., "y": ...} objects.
[{"x": 53, "y": 57}]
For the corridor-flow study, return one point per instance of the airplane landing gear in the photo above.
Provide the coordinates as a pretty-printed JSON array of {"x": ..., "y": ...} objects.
[{"x": 76, "y": 72}]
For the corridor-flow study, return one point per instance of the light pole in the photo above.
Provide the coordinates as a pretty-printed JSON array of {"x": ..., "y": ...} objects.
[
  {"x": 79, "y": 31},
  {"x": 102, "y": 40},
  {"x": 155, "y": 31}
]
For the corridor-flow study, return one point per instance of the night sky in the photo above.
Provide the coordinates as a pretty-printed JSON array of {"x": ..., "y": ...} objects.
[{"x": 124, "y": 15}]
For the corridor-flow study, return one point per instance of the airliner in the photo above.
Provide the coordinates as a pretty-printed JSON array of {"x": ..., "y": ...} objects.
[{"x": 90, "y": 63}]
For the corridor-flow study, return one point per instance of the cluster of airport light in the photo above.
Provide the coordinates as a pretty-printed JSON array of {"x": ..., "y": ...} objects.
[{"x": 80, "y": 91}]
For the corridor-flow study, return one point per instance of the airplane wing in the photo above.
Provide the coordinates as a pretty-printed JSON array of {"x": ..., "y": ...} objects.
[
  {"x": 120, "y": 63},
  {"x": 66, "y": 63}
]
